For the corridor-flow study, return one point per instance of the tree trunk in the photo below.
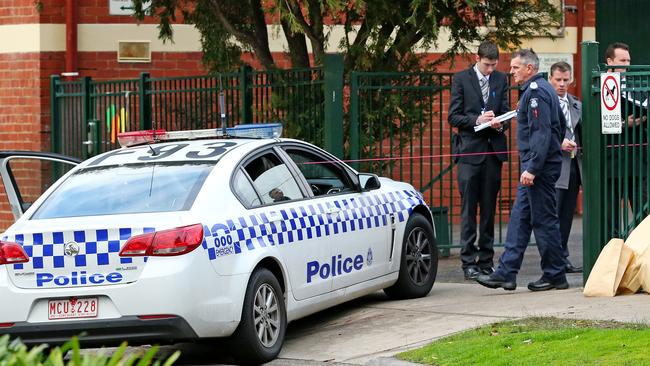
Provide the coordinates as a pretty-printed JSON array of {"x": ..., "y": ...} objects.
[{"x": 297, "y": 47}]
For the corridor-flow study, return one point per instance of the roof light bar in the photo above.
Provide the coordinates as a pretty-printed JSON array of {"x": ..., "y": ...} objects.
[{"x": 260, "y": 131}]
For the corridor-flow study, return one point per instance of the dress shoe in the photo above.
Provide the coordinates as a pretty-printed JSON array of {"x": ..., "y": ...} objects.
[
  {"x": 570, "y": 268},
  {"x": 487, "y": 270},
  {"x": 544, "y": 285},
  {"x": 495, "y": 281},
  {"x": 471, "y": 273}
]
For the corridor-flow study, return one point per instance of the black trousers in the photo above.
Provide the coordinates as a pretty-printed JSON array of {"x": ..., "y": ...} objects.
[
  {"x": 479, "y": 187},
  {"x": 566, "y": 206}
]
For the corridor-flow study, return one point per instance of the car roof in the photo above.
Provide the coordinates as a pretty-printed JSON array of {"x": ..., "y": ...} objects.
[{"x": 211, "y": 149}]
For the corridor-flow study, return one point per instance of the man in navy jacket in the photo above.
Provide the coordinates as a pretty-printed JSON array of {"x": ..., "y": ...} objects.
[{"x": 540, "y": 130}]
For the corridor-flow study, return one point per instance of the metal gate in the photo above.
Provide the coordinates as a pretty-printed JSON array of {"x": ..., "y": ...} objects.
[
  {"x": 616, "y": 172},
  {"x": 398, "y": 128},
  {"x": 87, "y": 115}
]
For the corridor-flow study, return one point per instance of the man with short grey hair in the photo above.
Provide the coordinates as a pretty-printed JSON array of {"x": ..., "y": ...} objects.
[{"x": 540, "y": 129}]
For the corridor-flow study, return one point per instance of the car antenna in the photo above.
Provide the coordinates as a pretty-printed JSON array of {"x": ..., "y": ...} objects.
[
  {"x": 222, "y": 107},
  {"x": 153, "y": 151}
]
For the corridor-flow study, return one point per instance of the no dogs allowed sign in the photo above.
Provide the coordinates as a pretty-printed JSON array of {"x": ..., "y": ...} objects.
[{"x": 610, "y": 103}]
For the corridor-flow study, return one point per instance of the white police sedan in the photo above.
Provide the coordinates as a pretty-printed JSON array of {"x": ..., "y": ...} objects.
[{"x": 187, "y": 237}]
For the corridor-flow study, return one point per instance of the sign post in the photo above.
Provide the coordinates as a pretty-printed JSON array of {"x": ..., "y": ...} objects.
[{"x": 610, "y": 103}]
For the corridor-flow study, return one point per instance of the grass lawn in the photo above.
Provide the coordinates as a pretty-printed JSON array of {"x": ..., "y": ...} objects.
[{"x": 540, "y": 341}]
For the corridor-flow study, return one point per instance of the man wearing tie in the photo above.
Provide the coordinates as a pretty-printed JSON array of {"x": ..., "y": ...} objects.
[
  {"x": 568, "y": 185},
  {"x": 478, "y": 95}
]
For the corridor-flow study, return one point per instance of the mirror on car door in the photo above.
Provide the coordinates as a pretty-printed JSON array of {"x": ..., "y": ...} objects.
[
  {"x": 369, "y": 181},
  {"x": 27, "y": 174}
]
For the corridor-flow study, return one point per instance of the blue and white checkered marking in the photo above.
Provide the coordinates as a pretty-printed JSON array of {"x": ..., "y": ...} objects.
[
  {"x": 309, "y": 221},
  {"x": 96, "y": 248},
  {"x": 101, "y": 247}
]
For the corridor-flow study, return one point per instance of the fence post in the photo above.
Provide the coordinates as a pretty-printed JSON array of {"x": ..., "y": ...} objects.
[
  {"x": 246, "y": 94},
  {"x": 55, "y": 124},
  {"x": 333, "y": 74},
  {"x": 145, "y": 101},
  {"x": 86, "y": 90},
  {"x": 592, "y": 239},
  {"x": 354, "y": 119}
]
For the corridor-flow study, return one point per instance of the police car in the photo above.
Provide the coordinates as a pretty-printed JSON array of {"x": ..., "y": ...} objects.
[{"x": 181, "y": 236}]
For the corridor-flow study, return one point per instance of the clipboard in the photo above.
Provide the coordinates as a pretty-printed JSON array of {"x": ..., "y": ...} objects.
[{"x": 502, "y": 118}]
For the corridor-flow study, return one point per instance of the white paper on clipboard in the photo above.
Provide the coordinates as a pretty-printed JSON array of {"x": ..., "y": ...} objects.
[{"x": 504, "y": 117}]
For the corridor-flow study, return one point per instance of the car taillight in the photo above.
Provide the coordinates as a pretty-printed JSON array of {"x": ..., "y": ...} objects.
[
  {"x": 11, "y": 253},
  {"x": 176, "y": 241}
]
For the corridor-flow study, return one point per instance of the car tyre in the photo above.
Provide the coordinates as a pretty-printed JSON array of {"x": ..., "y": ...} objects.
[
  {"x": 418, "y": 262},
  {"x": 260, "y": 334}
]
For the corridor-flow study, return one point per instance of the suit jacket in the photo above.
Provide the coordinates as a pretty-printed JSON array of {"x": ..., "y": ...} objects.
[
  {"x": 575, "y": 110},
  {"x": 465, "y": 107}
]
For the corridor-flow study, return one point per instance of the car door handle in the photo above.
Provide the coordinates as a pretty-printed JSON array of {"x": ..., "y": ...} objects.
[{"x": 275, "y": 217}]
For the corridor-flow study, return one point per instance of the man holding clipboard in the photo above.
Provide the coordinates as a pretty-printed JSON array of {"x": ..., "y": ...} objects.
[{"x": 478, "y": 95}]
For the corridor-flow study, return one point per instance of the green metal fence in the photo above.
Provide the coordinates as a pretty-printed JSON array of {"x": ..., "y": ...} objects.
[
  {"x": 398, "y": 128},
  {"x": 87, "y": 115},
  {"x": 616, "y": 183}
]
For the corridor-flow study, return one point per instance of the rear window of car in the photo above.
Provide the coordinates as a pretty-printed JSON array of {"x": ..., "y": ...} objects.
[{"x": 126, "y": 189}]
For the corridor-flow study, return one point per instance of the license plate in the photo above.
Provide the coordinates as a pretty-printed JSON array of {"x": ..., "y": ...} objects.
[{"x": 72, "y": 308}]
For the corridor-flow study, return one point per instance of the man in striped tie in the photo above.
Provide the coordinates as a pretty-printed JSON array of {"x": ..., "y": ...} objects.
[
  {"x": 478, "y": 94},
  {"x": 568, "y": 185}
]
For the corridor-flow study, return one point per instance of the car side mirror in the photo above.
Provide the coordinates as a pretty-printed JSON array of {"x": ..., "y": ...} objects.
[
  {"x": 26, "y": 205},
  {"x": 369, "y": 181}
]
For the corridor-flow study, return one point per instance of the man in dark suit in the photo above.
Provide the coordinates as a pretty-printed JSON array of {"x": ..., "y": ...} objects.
[
  {"x": 627, "y": 163},
  {"x": 478, "y": 95},
  {"x": 568, "y": 185}
]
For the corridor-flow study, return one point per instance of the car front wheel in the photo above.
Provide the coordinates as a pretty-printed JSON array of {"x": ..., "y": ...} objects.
[
  {"x": 418, "y": 262},
  {"x": 260, "y": 334}
]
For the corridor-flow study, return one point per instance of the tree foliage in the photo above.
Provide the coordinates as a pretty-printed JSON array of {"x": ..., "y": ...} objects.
[{"x": 378, "y": 34}]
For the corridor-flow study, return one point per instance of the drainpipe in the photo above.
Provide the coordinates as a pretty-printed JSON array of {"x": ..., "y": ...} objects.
[{"x": 70, "y": 39}]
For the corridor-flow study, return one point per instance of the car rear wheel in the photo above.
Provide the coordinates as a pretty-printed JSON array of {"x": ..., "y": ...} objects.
[
  {"x": 419, "y": 260},
  {"x": 260, "y": 334}
]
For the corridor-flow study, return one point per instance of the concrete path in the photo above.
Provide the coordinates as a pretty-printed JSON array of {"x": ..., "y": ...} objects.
[{"x": 370, "y": 329}]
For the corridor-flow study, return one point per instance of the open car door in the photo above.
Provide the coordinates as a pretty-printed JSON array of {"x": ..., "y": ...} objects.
[{"x": 27, "y": 174}]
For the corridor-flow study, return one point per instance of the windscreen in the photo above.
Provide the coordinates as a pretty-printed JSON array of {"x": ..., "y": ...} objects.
[{"x": 126, "y": 189}]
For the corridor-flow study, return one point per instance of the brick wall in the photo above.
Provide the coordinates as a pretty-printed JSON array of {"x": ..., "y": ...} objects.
[
  {"x": 20, "y": 110},
  {"x": 104, "y": 65},
  {"x": 18, "y": 12}
]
